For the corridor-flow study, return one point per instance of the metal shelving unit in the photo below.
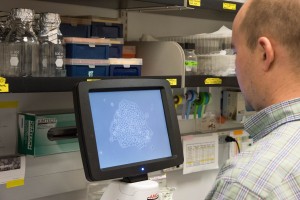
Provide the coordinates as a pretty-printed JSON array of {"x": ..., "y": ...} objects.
[{"x": 64, "y": 84}]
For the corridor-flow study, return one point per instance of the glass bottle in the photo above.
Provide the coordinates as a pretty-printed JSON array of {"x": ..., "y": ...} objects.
[
  {"x": 21, "y": 49},
  {"x": 51, "y": 46},
  {"x": 191, "y": 61}
]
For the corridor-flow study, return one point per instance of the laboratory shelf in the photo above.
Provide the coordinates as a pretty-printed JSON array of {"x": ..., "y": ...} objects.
[
  {"x": 210, "y": 81},
  {"x": 219, "y": 5},
  {"x": 65, "y": 84},
  {"x": 185, "y": 8}
]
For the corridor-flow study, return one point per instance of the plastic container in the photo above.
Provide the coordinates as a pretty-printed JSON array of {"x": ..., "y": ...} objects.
[
  {"x": 75, "y": 27},
  {"x": 204, "y": 64},
  {"x": 125, "y": 67},
  {"x": 129, "y": 52},
  {"x": 86, "y": 67},
  {"x": 116, "y": 48},
  {"x": 87, "y": 48},
  {"x": 223, "y": 65},
  {"x": 106, "y": 28}
]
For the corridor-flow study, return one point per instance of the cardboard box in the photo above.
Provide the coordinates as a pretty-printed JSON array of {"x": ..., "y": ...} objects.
[
  {"x": 233, "y": 106},
  {"x": 32, "y": 133}
]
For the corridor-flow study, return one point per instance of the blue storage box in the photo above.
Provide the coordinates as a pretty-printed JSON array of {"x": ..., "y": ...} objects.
[
  {"x": 87, "y": 67},
  {"x": 87, "y": 48},
  {"x": 69, "y": 30},
  {"x": 75, "y": 27},
  {"x": 125, "y": 67},
  {"x": 116, "y": 48},
  {"x": 106, "y": 30}
]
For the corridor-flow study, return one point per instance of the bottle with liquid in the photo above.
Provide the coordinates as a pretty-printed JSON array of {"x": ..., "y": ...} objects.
[
  {"x": 191, "y": 61},
  {"x": 21, "y": 48},
  {"x": 51, "y": 46}
]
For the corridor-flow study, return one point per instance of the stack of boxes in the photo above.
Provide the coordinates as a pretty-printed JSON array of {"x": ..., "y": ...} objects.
[{"x": 94, "y": 47}]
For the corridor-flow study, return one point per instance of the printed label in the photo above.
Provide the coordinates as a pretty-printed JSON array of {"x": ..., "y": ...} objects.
[
  {"x": 213, "y": 81},
  {"x": 195, "y": 3},
  {"x": 173, "y": 82},
  {"x": 190, "y": 63},
  {"x": 229, "y": 6}
]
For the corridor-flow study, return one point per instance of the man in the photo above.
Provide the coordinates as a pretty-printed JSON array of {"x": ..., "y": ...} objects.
[{"x": 266, "y": 36}]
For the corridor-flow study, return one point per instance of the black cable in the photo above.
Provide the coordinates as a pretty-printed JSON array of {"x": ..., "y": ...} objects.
[{"x": 231, "y": 139}]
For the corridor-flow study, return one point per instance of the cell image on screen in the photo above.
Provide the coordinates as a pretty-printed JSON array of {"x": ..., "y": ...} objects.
[{"x": 130, "y": 127}]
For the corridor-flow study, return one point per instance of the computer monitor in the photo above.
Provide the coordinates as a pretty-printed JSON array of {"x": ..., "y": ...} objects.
[{"x": 126, "y": 128}]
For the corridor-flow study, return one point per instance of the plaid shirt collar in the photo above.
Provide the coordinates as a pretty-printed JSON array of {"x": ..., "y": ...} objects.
[{"x": 270, "y": 118}]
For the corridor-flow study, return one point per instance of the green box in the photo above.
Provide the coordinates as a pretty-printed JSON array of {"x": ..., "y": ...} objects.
[{"x": 33, "y": 128}]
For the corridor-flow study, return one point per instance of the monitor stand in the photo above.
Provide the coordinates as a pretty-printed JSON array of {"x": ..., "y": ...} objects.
[{"x": 124, "y": 190}]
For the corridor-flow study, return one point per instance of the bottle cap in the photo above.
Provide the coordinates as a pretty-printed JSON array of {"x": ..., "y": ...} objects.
[{"x": 189, "y": 45}]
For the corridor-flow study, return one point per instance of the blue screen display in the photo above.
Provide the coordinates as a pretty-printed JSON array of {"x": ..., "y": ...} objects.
[{"x": 130, "y": 127}]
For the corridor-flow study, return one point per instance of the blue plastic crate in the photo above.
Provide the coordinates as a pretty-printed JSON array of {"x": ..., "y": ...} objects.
[
  {"x": 69, "y": 30},
  {"x": 87, "y": 48},
  {"x": 86, "y": 71},
  {"x": 120, "y": 70},
  {"x": 106, "y": 30},
  {"x": 116, "y": 50},
  {"x": 86, "y": 67}
]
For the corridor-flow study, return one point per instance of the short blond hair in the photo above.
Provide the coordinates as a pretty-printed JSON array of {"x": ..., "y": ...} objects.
[{"x": 277, "y": 19}]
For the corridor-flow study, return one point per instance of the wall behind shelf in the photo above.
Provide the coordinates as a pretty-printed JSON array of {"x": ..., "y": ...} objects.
[{"x": 159, "y": 25}]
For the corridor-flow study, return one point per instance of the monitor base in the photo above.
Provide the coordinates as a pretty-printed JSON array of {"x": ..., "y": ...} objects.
[{"x": 143, "y": 190}]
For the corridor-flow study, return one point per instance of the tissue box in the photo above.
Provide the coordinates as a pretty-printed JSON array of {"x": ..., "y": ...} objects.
[{"x": 33, "y": 128}]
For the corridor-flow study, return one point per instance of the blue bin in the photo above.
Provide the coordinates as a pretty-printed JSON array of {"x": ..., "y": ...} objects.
[
  {"x": 86, "y": 71},
  {"x": 125, "y": 66},
  {"x": 86, "y": 68},
  {"x": 116, "y": 50},
  {"x": 69, "y": 30},
  {"x": 120, "y": 70},
  {"x": 106, "y": 30},
  {"x": 87, "y": 48}
]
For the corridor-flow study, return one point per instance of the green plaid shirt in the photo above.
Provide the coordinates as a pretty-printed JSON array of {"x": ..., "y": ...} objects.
[{"x": 270, "y": 169}]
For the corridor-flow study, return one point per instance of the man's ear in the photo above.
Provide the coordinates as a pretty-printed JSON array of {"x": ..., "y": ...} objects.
[{"x": 266, "y": 51}]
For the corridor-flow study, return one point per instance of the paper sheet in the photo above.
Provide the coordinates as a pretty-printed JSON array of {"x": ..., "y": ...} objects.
[
  {"x": 200, "y": 153},
  {"x": 12, "y": 168},
  {"x": 8, "y": 128}
]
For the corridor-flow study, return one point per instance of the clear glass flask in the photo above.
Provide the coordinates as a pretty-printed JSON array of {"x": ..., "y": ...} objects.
[
  {"x": 21, "y": 49},
  {"x": 51, "y": 46}
]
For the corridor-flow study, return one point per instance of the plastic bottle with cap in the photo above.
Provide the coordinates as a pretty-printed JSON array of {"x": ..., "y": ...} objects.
[
  {"x": 21, "y": 49},
  {"x": 191, "y": 61},
  {"x": 51, "y": 46}
]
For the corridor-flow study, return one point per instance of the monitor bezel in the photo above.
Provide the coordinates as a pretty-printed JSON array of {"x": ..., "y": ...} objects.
[{"x": 86, "y": 134}]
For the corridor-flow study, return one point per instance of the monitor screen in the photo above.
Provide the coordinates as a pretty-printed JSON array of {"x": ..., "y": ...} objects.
[
  {"x": 126, "y": 127},
  {"x": 129, "y": 123}
]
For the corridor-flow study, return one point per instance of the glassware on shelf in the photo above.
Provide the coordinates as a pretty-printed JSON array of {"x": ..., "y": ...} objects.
[
  {"x": 51, "y": 46},
  {"x": 21, "y": 47}
]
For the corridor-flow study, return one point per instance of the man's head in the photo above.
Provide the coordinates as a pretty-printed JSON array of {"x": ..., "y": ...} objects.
[{"x": 266, "y": 35}]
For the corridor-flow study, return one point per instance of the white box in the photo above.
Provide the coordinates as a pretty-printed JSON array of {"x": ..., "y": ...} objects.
[{"x": 233, "y": 106}]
